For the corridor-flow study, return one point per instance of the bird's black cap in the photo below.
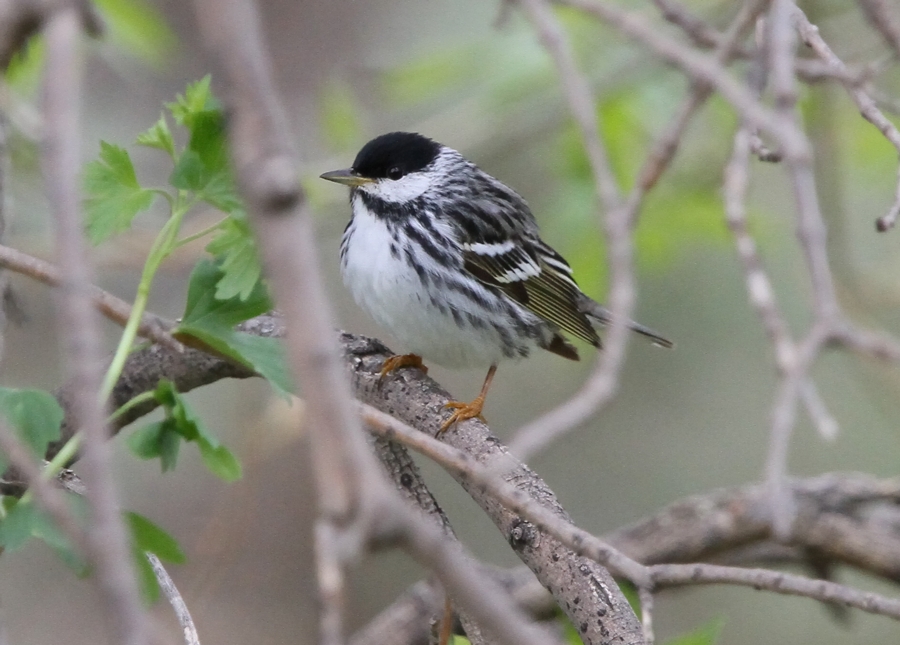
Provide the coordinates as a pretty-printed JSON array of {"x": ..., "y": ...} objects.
[{"x": 395, "y": 154}]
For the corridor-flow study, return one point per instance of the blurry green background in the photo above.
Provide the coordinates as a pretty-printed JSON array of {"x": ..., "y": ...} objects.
[{"x": 685, "y": 422}]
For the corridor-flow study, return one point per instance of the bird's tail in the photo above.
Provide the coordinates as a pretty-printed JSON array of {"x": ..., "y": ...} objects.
[{"x": 602, "y": 316}]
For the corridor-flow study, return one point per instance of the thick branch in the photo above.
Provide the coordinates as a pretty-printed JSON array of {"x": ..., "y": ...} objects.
[{"x": 108, "y": 548}]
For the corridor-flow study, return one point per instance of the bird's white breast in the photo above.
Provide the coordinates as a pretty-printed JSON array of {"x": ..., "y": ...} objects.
[{"x": 391, "y": 291}]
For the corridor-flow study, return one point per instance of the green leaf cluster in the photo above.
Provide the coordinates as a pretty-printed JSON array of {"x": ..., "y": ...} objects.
[
  {"x": 35, "y": 417},
  {"x": 162, "y": 440},
  {"x": 224, "y": 291},
  {"x": 201, "y": 173}
]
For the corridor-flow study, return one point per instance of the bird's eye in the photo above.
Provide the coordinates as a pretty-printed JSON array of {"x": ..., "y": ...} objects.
[{"x": 395, "y": 173}]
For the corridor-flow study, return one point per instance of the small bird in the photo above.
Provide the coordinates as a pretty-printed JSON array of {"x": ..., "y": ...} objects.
[{"x": 450, "y": 261}]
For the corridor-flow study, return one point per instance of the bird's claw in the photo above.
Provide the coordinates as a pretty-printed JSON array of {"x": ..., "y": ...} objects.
[
  {"x": 400, "y": 360},
  {"x": 463, "y": 412}
]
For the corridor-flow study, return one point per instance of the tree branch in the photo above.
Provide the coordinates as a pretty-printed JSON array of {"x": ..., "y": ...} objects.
[{"x": 107, "y": 542}]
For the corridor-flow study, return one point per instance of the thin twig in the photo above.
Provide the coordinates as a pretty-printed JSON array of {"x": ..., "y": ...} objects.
[
  {"x": 867, "y": 106},
  {"x": 331, "y": 584},
  {"x": 697, "y": 29},
  {"x": 115, "y": 309},
  {"x": 78, "y": 325},
  {"x": 170, "y": 591},
  {"x": 646, "y": 598},
  {"x": 811, "y": 232},
  {"x": 672, "y": 575},
  {"x": 482, "y": 597},
  {"x": 825, "y": 423},
  {"x": 759, "y": 287},
  {"x": 705, "y": 36}
]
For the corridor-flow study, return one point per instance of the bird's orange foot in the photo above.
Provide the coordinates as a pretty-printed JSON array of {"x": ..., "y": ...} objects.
[
  {"x": 463, "y": 412},
  {"x": 403, "y": 360}
]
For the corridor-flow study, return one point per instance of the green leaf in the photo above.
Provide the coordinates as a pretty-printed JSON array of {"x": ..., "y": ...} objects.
[
  {"x": 206, "y": 158},
  {"x": 220, "y": 192},
  {"x": 46, "y": 530},
  {"x": 114, "y": 196},
  {"x": 24, "y": 520},
  {"x": 34, "y": 414},
  {"x": 166, "y": 394},
  {"x": 212, "y": 321},
  {"x": 147, "y": 537},
  {"x": 17, "y": 524},
  {"x": 188, "y": 424},
  {"x": 197, "y": 97},
  {"x": 220, "y": 461},
  {"x": 189, "y": 172},
  {"x": 707, "y": 634},
  {"x": 138, "y": 28},
  {"x": 204, "y": 167},
  {"x": 163, "y": 438},
  {"x": 160, "y": 439},
  {"x": 209, "y": 138},
  {"x": 263, "y": 355},
  {"x": 158, "y": 136},
  {"x": 205, "y": 311},
  {"x": 235, "y": 249},
  {"x": 150, "y": 538}
]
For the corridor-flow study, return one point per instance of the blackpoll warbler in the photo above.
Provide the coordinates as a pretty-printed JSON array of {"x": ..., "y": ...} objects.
[{"x": 450, "y": 261}]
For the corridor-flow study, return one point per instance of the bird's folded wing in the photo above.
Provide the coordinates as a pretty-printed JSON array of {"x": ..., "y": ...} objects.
[{"x": 536, "y": 277}]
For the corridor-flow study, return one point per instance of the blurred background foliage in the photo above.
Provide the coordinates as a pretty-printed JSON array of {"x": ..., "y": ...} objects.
[{"x": 474, "y": 78}]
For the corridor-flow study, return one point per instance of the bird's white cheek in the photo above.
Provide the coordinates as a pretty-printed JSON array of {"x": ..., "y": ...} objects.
[{"x": 401, "y": 190}]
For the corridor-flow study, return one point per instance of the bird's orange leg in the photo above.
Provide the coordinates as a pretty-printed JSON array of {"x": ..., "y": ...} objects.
[
  {"x": 469, "y": 410},
  {"x": 401, "y": 360}
]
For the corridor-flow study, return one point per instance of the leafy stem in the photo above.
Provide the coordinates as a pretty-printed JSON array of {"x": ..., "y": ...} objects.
[
  {"x": 143, "y": 397},
  {"x": 196, "y": 236},
  {"x": 162, "y": 247}
]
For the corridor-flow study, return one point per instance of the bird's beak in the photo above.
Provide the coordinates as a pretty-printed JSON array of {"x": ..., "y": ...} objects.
[{"x": 347, "y": 177}]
